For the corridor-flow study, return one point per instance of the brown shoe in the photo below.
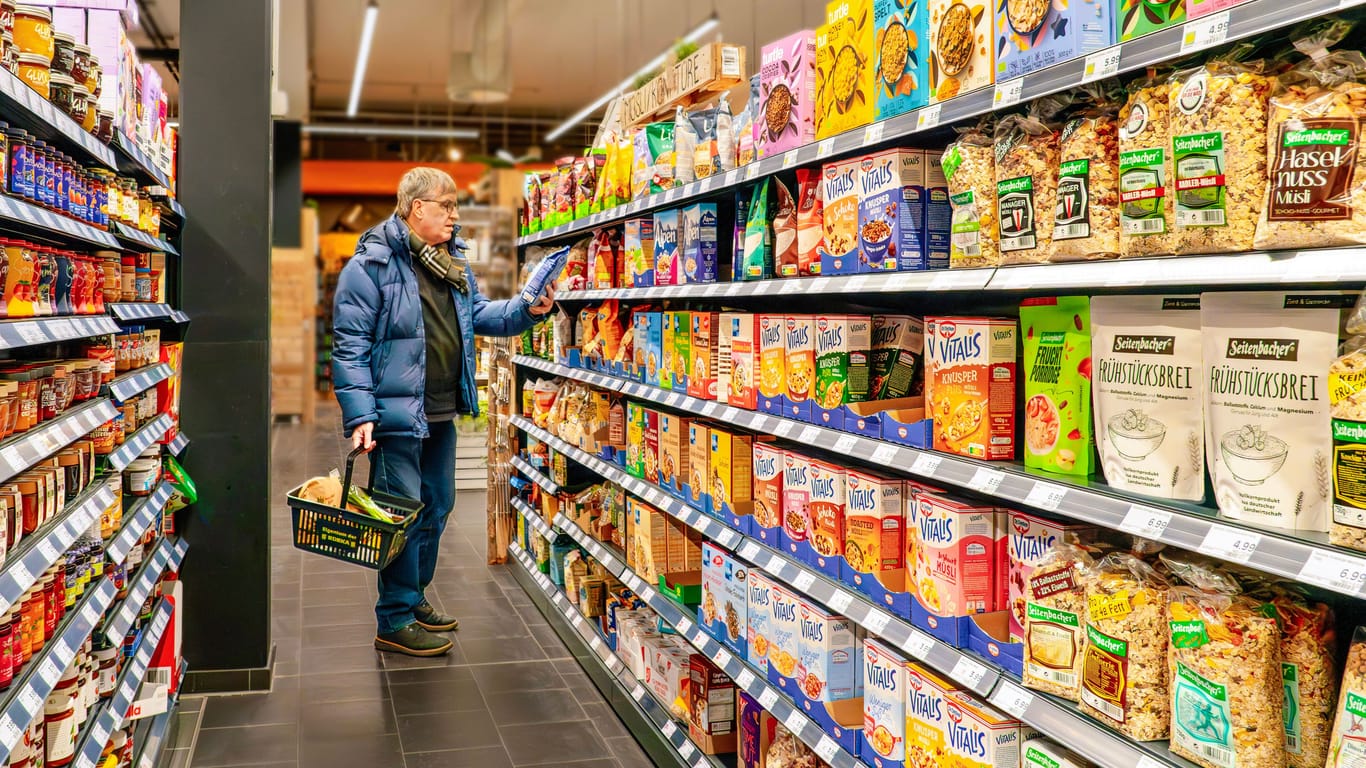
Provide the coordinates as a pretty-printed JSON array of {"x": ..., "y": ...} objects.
[
  {"x": 413, "y": 640},
  {"x": 433, "y": 620}
]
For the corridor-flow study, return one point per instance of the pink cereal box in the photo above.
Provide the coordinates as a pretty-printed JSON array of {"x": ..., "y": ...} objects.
[
  {"x": 950, "y": 562},
  {"x": 787, "y": 93},
  {"x": 796, "y": 513},
  {"x": 1030, "y": 538}
]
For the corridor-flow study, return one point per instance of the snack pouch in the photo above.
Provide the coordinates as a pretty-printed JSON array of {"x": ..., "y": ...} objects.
[
  {"x": 706, "y": 153},
  {"x": 1086, "y": 222},
  {"x": 724, "y": 156},
  {"x": 970, "y": 170},
  {"x": 810, "y": 209},
  {"x": 758, "y": 236},
  {"x": 562, "y": 208},
  {"x": 685, "y": 147},
  {"x": 660, "y": 139},
  {"x": 1124, "y": 675},
  {"x": 1026, "y": 188},
  {"x": 1055, "y": 621},
  {"x": 1347, "y": 400},
  {"x": 786, "y": 260},
  {"x": 1147, "y": 200},
  {"x": 1057, "y": 360}
]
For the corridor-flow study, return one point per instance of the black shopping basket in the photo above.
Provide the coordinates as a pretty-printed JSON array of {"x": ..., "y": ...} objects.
[{"x": 348, "y": 536}]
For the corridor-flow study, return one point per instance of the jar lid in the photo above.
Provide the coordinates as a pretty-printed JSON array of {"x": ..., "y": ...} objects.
[
  {"x": 34, "y": 58},
  {"x": 59, "y": 79},
  {"x": 82, "y": 48},
  {"x": 34, "y": 11},
  {"x": 82, "y": 91},
  {"x": 65, "y": 37}
]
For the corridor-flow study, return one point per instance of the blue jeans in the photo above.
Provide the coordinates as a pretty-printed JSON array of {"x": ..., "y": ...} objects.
[{"x": 418, "y": 469}]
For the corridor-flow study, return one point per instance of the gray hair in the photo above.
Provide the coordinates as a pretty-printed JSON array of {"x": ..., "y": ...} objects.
[{"x": 420, "y": 183}]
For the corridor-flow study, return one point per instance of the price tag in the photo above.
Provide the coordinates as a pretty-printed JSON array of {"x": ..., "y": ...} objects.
[
  {"x": 876, "y": 620},
  {"x": 1008, "y": 93},
  {"x": 1045, "y": 496},
  {"x": 784, "y": 428},
  {"x": 711, "y": 408},
  {"x": 927, "y": 117},
  {"x": 768, "y": 698},
  {"x": 749, "y": 550},
  {"x": 1342, "y": 573},
  {"x": 705, "y": 184},
  {"x": 1101, "y": 64},
  {"x": 1145, "y": 521},
  {"x": 919, "y": 644},
  {"x": 840, "y": 601},
  {"x": 986, "y": 480},
  {"x": 884, "y": 454},
  {"x": 926, "y": 464},
  {"x": 808, "y": 435},
  {"x": 31, "y": 701},
  {"x": 845, "y": 444},
  {"x": 684, "y": 626},
  {"x": 1145, "y": 761},
  {"x": 1229, "y": 543},
  {"x": 727, "y": 538},
  {"x": 21, "y": 573},
  {"x": 751, "y": 171},
  {"x": 790, "y": 158},
  {"x": 872, "y": 133},
  {"x": 804, "y": 581},
  {"x": 674, "y": 399},
  {"x": 638, "y": 693},
  {"x": 669, "y": 195},
  {"x": 10, "y": 734},
  {"x": 596, "y": 643},
  {"x": 794, "y": 721},
  {"x": 745, "y": 680},
  {"x": 633, "y": 581},
  {"x": 62, "y": 329},
  {"x": 731, "y": 176},
  {"x": 1013, "y": 700},
  {"x": 826, "y": 147},
  {"x": 48, "y": 551},
  {"x": 10, "y": 455},
  {"x": 701, "y": 762},
  {"x": 827, "y": 748},
  {"x": 687, "y": 749},
  {"x": 669, "y": 729},
  {"x": 730, "y": 414},
  {"x": 721, "y": 658},
  {"x": 968, "y": 672},
  {"x": 1204, "y": 33},
  {"x": 791, "y": 286},
  {"x": 48, "y": 672}
]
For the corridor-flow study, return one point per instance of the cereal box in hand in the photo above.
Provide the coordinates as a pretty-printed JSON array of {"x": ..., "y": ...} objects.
[
  {"x": 970, "y": 385},
  {"x": 962, "y": 53},
  {"x": 787, "y": 88},
  {"x": 884, "y": 704},
  {"x": 903, "y": 56}
]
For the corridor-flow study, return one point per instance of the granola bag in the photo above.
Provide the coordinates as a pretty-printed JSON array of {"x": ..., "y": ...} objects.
[
  {"x": 970, "y": 169},
  {"x": 1054, "y": 619},
  {"x": 1218, "y": 132},
  {"x": 786, "y": 259},
  {"x": 1026, "y": 188},
  {"x": 686, "y": 142},
  {"x": 1086, "y": 222},
  {"x": 1347, "y": 403},
  {"x": 810, "y": 215},
  {"x": 1308, "y": 672},
  {"x": 1147, "y": 202},
  {"x": 724, "y": 154},
  {"x": 1316, "y": 191},
  {"x": 1124, "y": 675},
  {"x": 1225, "y": 672},
  {"x": 1348, "y": 745}
]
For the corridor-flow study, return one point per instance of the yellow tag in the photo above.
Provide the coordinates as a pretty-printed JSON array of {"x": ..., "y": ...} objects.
[
  {"x": 1344, "y": 385},
  {"x": 1114, "y": 606}
]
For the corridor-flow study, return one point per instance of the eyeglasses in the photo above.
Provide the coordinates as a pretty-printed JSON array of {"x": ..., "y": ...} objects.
[{"x": 449, "y": 206}]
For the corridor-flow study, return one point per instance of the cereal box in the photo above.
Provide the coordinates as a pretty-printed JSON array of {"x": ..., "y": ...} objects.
[
  {"x": 926, "y": 699},
  {"x": 785, "y": 625},
  {"x": 682, "y": 350},
  {"x": 950, "y": 557},
  {"x": 724, "y": 611},
  {"x": 668, "y": 267},
  {"x": 903, "y": 56},
  {"x": 839, "y": 193},
  {"x": 978, "y": 736},
  {"x": 651, "y": 532},
  {"x": 970, "y": 385},
  {"x": 884, "y": 705},
  {"x": 799, "y": 342},
  {"x": 827, "y": 654},
  {"x": 640, "y": 251},
  {"x": 938, "y": 210},
  {"x": 711, "y": 706},
  {"x": 699, "y": 243},
  {"x": 635, "y": 439},
  {"x": 650, "y": 453},
  {"x": 743, "y": 330},
  {"x": 1139, "y": 17},
  {"x": 760, "y": 618},
  {"x": 640, "y": 335},
  {"x": 843, "y": 352},
  {"x": 669, "y": 667},
  {"x": 825, "y": 537},
  {"x": 697, "y": 489},
  {"x": 787, "y": 93},
  {"x": 795, "y": 516},
  {"x": 702, "y": 356},
  {"x": 898, "y": 362},
  {"x": 732, "y": 476},
  {"x": 768, "y": 493},
  {"x": 723, "y": 359},
  {"x": 772, "y": 356},
  {"x": 891, "y": 215},
  {"x": 673, "y": 452},
  {"x": 1197, "y": 8},
  {"x": 874, "y": 532},
  {"x": 666, "y": 350},
  {"x": 747, "y": 753},
  {"x": 676, "y": 540},
  {"x": 1030, "y": 538},
  {"x": 844, "y": 73},
  {"x": 1031, "y": 36},
  {"x": 654, "y": 346},
  {"x": 962, "y": 55}
]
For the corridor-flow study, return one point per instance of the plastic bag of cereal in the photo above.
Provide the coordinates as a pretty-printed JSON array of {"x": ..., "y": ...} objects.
[
  {"x": 1308, "y": 671},
  {"x": 1218, "y": 132},
  {"x": 970, "y": 169},
  {"x": 1086, "y": 221},
  {"x": 1124, "y": 674},
  {"x": 1054, "y": 621},
  {"x": 1147, "y": 215},
  {"x": 1026, "y": 187},
  {"x": 1347, "y": 747}
]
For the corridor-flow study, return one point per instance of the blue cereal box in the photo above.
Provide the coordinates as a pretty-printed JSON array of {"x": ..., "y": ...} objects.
[
  {"x": 828, "y": 655},
  {"x": 640, "y": 251},
  {"x": 699, "y": 243},
  {"x": 903, "y": 56},
  {"x": 666, "y": 354},
  {"x": 654, "y": 347},
  {"x": 724, "y": 612},
  {"x": 938, "y": 212},
  {"x": 760, "y": 632},
  {"x": 891, "y": 211},
  {"x": 668, "y": 268},
  {"x": 1031, "y": 36}
]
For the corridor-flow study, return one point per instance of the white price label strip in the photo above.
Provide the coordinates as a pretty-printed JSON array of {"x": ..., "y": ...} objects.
[
  {"x": 840, "y": 601},
  {"x": 1013, "y": 700},
  {"x": 919, "y": 644},
  {"x": 1342, "y": 573},
  {"x": 687, "y": 750},
  {"x": 968, "y": 672},
  {"x": 684, "y": 627},
  {"x": 876, "y": 621},
  {"x": 33, "y": 703},
  {"x": 745, "y": 680},
  {"x": 827, "y": 748},
  {"x": 884, "y": 454},
  {"x": 845, "y": 444},
  {"x": 790, "y": 158},
  {"x": 48, "y": 551},
  {"x": 1045, "y": 496},
  {"x": 1101, "y": 64},
  {"x": 638, "y": 693},
  {"x": 749, "y": 550},
  {"x": 1204, "y": 33},
  {"x": 1145, "y": 521},
  {"x": 808, "y": 435},
  {"x": 927, "y": 117},
  {"x": 872, "y": 133},
  {"x": 1229, "y": 543},
  {"x": 794, "y": 721},
  {"x": 727, "y": 538},
  {"x": 1008, "y": 93},
  {"x": 768, "y": 698},
  {"x": 826, "y": 147},
  {"x": 986, "y": 480},
  {"x": 784, "y": 428},
  {"x": 669, "y": 729},
  {"x": 10, "y": 734},
  {"x": 803, "y": 581},
  {"x": 926, "y": 464},
  {"x": 751, "y": 171}
]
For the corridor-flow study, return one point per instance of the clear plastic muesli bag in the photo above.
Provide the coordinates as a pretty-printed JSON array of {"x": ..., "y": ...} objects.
[
  {"x": 1054, "y": 619},
  {"x": 1086, "y": 220},
  {"x": 1026, "y": 187},
  {"x": 1347, "y": 747},
  {"x": 1308, "y": 670},
  {"x": 970, "y": 170},
  {"x": 1147, "y": 201}
]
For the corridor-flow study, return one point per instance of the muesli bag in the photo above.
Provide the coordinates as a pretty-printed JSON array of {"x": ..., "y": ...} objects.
[
  {"x": 1316, "y": 190},
  {"x": 1266, "y": 357},
  {"x": 1218, "y": 131},
  {"x": 1026, "y": 187},
  {"x": 1147, "y": 200},
  {"x": 1347, "y": 400},
  {"x": 1124, "y": 675},
  {"x": 1308, "y": 670},
  {"x": 1054, "y": 621},
  {"x": 970, "y": 170},
  {"x": 1086, "y": 222},
  {"x": 685, "y": 147},
  {"x": 1348, "y": 745}
]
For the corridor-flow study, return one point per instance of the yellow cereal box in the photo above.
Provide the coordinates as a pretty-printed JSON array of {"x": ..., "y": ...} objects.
[
  {"x": 970, "y": 385},
  {"x": 926, "y": 700},
  {"x": 732, "y": 475},
  {"x": 697, "y": 489},
  {"x": 845, "y": 70},
  {"x": 772, "y": 356},
  {"x": 799, "y": 342}
]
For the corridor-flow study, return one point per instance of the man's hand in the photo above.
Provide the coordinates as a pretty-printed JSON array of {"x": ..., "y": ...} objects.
[
  {"x": 545, "y": 303},
  {"x": 361, "y": 436}
]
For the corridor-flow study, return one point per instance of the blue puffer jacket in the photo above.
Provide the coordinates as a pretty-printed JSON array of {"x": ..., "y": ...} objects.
[{"x": 379, "y": 354}]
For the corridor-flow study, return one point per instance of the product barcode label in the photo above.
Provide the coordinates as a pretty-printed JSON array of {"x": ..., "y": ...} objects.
[
  {"x": 926, "y": 464},
  {"x": 884, "y": 454},
  {"x": 927, "y": 117},
  {"x": 986, "y": 480},
  {"x": 1213, "y": 217},
  {"x": 1071, "y": 231},
  {"x": 596, "y": 643},
  {"x": 1230, "y": 543},
  {"x": 1146, "y": 522},
  {"x": 768, "y": 698},
  {"x": 10, "y": 455},
  {"x": 840, "y": 601},
  {"x": 790, "y": 286},
  {"x": 1046, "y": 496},
  {"x": 730, "y": 61},
  {"x": 1204, "y": 33}
]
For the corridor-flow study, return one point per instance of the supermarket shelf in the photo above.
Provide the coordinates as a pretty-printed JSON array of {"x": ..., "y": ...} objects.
[
  {"x": 23, "y": 451},
  {"x": 178, "y": 555},
  {"x": 890, "y": 282},
  {"x": 534, "y": 519},
  {"x": 135, "y": 310},
  {"x": 1302, "y": 556},
  {"x": 178, "y": 444},
  {"x": 174, "y": 206},
  {"x": 136, "y": 522},
  {"x": 42, "y": 223},
  {"x": 110, "y": 714},
  {"x": 1243, "y": 21},
  {"x": 140, "y": 587},
  {"x": 647, "y": 706},
  {"x": 40, "y": 549},
  {"x": 131, "y": 159},
  {"x": 17, "y": 334},
  {"x": 24, "y": 108},
  {"x": 153, "y": 744},
  {"x": 139, "y": 441},
  {"x": 137, "y": 240},
  {"x": 139, "y": 381},
  {"x": 25, "y": 698},
  {"x": 535, "y": 476}
]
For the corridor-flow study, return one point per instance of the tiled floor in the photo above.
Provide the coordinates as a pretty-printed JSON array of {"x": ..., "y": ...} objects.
[{"x": 506, "y": 695}]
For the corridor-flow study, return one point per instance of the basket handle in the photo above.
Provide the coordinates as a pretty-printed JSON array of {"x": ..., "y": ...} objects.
[{"x": 350, "y": 465}]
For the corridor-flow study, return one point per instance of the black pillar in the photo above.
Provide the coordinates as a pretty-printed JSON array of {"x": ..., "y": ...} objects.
[
  {"x": 225, "y": 185},
  {"x": 289, "y": 183}
]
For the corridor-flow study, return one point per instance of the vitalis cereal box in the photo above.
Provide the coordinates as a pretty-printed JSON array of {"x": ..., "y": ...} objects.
[
  {"x": 843, "y": 359},
  {"x": 697, "y": 232},
  {"x": 828, "y": 655},
  {"x": 697, "y": 484},
  {"x": 799, "y": 340},
  {"x": 702, "y": 356},
  {"x": 640, "y": 251},
  {"x": 744, "y": 358},
  {"x": 760, "y": 619},
  {"x": 962, "y": 48},
  {"x": 724, "y": 611},
  {"x": 938, "y": 209},
  {"x": 840, "y": 201},
  {"x": 785, "y": 626},
  {"x": 875, "y": 530},
  {"x": 768, "y": 493},
  {"x": 891, "y": 216},
  {"x": 903, "y": 56},
  {"x": 673, "y": 452},
  {"x": 950, "y": 557},
  {"x": 926, "y": 697},
  {"x": 772, "y": 356},
  {"x": 884, "y": 706},
  {"x": 970, "y": 374},
  {"x": 796, "y": 512},
  {"x": 787, "y": 93},
  {"x": 1029, "y": 539},
  {"x": 825, "y": 539},
  {"x": 1031, "y": 36},
  {"x": 977, "y": 736}
]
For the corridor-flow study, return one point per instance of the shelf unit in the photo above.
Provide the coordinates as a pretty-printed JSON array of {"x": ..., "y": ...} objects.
[
  {"x": 534, "y": 520},
  {"x": 24, "y": 450},
  {"x": 136, "y": 522},
  {"x": 139, "y": 381},
  {"x": 139, "y": 441},
  {"x": 535, "y": 476},
  {"x": 137, "y": 240}
]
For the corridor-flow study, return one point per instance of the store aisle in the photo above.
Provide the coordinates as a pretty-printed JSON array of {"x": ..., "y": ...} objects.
[{"x": 506, "y": 695}]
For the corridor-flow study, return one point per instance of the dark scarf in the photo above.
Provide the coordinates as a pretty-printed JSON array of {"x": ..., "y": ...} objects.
[{"x": 439, "y": 260}]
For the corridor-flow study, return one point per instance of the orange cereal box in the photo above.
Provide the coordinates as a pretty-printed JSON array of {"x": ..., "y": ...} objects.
[
  {"x": 702, "y": 359},
  {"x": 743, "y": 330},
  {"x": 874, "y": 538},
  {"x": 970, "y": 385}
]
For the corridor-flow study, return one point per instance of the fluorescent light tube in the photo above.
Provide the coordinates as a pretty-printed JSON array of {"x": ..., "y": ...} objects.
[
  {"x": 396, "y": 131},
  {"x": 367, "y": 36}
]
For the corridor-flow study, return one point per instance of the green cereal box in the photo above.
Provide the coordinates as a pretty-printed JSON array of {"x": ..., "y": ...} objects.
[
  {"x": 898, "y": 357},
  {"x": 843, "y": 365},
  {"x": 1139, "y": 17},
  {"x": 1058, "y": 433},
  {"x": 682, "y": 355}
]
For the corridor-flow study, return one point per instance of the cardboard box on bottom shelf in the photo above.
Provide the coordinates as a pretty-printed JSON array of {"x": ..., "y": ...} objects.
[{"x": 711, "y": 708}]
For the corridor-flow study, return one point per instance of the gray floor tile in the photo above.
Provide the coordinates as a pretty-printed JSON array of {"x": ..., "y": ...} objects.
[
  {"x": 246, "y": 746},
  {"x": 528, "y": 707},
  {"x": 251, "y": 709},
  {"x": 339, "y": 596},
  {"x": 437, "y": 696},
  {"x": 534, "y": 676},
  {"x": 450, "y": 675},
  {"x": 328, "y": 615},
  {"x": 628, "y": 753},
  {"x": 350, "y": 718},
  {"x": 353, "y": 659},
  {"x": 492, "y": 650},
  {"x": 434, "y": 733},
  {"x": 552, "y": 743},
  {"x": 338, "y": 635},
  {"x": 480, "y": 757},
  {"x": 342, "y": 686},
  {"x": 364, "y": 751}
]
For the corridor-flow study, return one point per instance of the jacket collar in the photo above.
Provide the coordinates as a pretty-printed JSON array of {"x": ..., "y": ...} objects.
[{"x": 394, "y": 232}]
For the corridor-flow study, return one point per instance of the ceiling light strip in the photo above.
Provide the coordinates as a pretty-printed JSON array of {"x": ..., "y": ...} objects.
[{"x": 367, "y": 36}]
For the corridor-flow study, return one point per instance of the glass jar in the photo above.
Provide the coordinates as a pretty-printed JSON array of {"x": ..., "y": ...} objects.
[
  {"x": 41, "y": 171},
  {"x": 4, "y": 155},
  {"x": 105, "y": 131},
  {"x": 33, "y": 31},
  {"x": 49, "y": 590},
  {"x": 46, "y": 277},
  {"x": 20, "y": 176},
  {"x": 129, "y": 197},
  {"x": 80, "y": 102},
  {"x": 92, "y": 112},
  {"x": 7, "y": 16},
  {"x": 47, "y": 393},
  {"x": 64, "y": 55},
  {"x": 9, "y": 53},
  {"x": 62, "y": 279},
  {"x": 143, "y": 283},
  {"x": 36, "y": 73},
  {"x": 59, "y": 723},
  {"x": 108, "y": 675},
  {"x": 83, "y": 71},
  {"x": 7, "y": 650},
  {"x": 129, "y": 271}
]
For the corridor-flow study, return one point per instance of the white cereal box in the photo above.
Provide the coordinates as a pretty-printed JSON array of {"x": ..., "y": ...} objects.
[
  {"x": 827, "y": 654},
  {"x": 785, "y": 628},
  {"x": 1030, "y": 538},
  {"x": 760, "y": 619},
  {"x": 977, "y": 736},
  {"x": 725, "y": 598},
  {"x": 884, "y": 706}
]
